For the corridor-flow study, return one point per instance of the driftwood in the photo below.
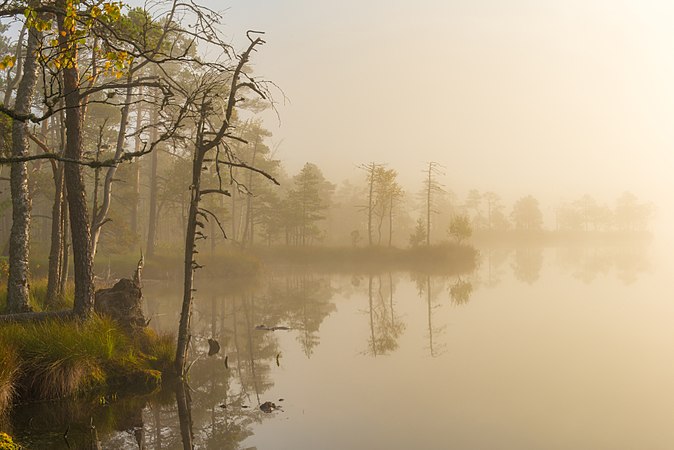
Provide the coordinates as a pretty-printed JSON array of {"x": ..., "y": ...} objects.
[{"x": 37, "y": 316}]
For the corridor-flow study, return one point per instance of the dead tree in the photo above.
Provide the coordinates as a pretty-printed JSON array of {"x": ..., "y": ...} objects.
[
  {"x": 213, "y": 132},
  {"x": 431, "y": 187}
]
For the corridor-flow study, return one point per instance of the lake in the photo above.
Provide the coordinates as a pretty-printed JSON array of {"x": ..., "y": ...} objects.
[{"x": 555, "y": 348}]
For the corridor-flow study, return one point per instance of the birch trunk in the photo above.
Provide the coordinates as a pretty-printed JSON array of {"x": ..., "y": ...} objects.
[{"x": 19, "y": 239}]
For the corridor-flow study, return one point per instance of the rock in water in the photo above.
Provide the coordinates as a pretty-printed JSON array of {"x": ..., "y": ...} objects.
[
  {"x": 268, "y": 407},
  {"x": 213, "y": 347},
  {"x": 124, "y": 303}
]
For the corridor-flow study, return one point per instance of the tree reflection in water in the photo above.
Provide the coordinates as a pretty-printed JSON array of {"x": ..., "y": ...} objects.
[
  {"x": 220, "y": 407},
  {"x": 385, "y": 325},
  {"x": 428, "y": 289},
  {"x": 527, "y": 264},
  {"x": 587, "y": 263}
]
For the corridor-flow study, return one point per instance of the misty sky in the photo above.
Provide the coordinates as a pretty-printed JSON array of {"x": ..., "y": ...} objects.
[{"x": 547, "y": 97}]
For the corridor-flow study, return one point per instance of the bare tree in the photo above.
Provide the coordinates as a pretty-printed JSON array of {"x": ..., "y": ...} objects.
[
  {"x": 431, "y": 188},
  {"x": 213, "y": 131},
  {"x": 371, "y": 174}
]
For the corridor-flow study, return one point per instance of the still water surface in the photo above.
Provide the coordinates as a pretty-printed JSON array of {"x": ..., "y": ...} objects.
[{"x": 538, "y": 349}]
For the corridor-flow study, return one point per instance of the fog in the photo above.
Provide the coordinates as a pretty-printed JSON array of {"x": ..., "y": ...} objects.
[
  {"x": 328, "y": 225},
  {"x": 556, "y": 98}
]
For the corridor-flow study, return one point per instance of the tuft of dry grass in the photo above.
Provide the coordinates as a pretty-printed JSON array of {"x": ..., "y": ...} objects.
[
  {"x": 9, "y": 368},
  {"x": 57, "y": 358}
]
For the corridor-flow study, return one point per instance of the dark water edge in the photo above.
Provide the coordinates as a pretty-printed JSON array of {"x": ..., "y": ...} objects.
[{"x": 82, "y": 422}]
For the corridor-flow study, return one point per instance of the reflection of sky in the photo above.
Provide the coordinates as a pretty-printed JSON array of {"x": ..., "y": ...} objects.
[{"x": 559, "y": 360}]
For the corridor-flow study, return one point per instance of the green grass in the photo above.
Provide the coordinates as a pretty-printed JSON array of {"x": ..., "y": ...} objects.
[
  {"x": 38, "y": 295},
  {"x": 56, "y": 358},
  {"x": 229, "y": 263}
]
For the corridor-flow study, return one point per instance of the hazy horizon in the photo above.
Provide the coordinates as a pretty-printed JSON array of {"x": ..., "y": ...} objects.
[{"x": 548, "y": 98}]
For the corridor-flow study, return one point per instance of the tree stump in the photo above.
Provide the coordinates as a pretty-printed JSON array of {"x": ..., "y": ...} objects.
[{"x": 124, "y": 304}]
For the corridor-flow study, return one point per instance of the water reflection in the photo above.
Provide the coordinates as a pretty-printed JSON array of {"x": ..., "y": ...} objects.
[
  {"x": 628, "y": 262},
  {"x": 385, "y": 325},
  {"x": 336, "y": 324},
  {"x": 527, "y": 264},
  {"x": 428, "y": 289},
  {"x": 460, "y": 291},
  {"x": 493, "y": 261}
]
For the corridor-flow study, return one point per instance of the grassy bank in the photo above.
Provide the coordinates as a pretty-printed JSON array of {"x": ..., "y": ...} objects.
[
  {"x": 56, "y": 359},
  {"x": 230, "y": 263},
  {"x": 441, "y": 259}
]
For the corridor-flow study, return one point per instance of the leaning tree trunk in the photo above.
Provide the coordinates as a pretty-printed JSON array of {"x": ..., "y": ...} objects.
[
  {"x": 76, "y": 192},
  {"x": 152, "y": 220},
  {"x": 247, "y": 238},
  {"x": 136, "y": 169},
  {"x": 10, "y": 83},
  {"x": 100, "y": 216},
  {"x": 19, "y": 240}
]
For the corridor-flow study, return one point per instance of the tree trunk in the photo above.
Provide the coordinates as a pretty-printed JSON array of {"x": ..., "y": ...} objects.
[
  {"x": 10, "y": 83},
  {"x": 136, "y": 170},
  {"x": 101, "y": 214},
  {"x": 76, "y": 193},
  {"x": 248, "y": 232},
  {"x": 369, "y": 206},
  {"x": 57, "y": 238},
  {"x": 185, "y": 415},
  {"x": 189, "y": 264},
  {"x": 428, "y": 204},
  {"x": 19, "y": 239},
  {"x": 152, "y": 222}
]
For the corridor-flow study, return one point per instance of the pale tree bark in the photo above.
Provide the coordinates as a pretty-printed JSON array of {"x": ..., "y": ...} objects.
[
  {"x": 101, "y": 213},
  {"x": 154, "y": 162},
  {"x": 10, "y": 83},
  {"x": 136, "y": 169},
  {"x": 248, "y": 237},
  {"x": 19, "y": 240}
]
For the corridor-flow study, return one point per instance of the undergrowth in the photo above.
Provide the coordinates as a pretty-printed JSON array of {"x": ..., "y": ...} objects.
[{"x": 38, "y": 295}]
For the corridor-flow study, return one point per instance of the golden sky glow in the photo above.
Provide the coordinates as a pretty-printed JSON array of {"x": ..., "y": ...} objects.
[{"x": 547, "y": 97}]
